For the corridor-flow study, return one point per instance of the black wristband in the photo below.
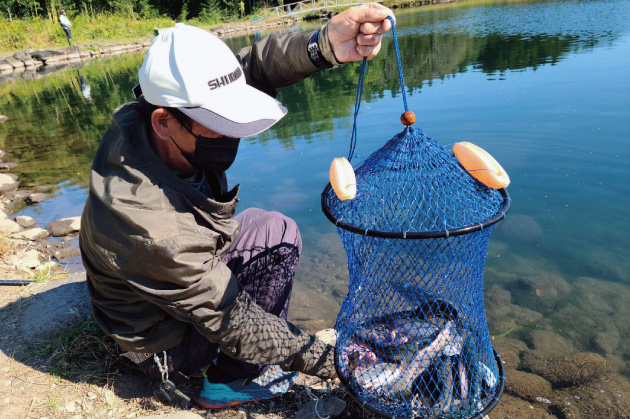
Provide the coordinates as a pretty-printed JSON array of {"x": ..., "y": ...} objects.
[{"x": 315, "y": 54}]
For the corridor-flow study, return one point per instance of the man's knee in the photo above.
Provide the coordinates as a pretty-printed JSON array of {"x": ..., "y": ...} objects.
[
  {"x": 249, "y": 215},
  {"x": 269, "y": 227},
  {"x": 283, "y": 228}
]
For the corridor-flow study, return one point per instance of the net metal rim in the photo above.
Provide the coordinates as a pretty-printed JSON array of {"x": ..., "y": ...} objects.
[
  {"x": 480, "y": 415},
  {"x": 505, "y": 207}
]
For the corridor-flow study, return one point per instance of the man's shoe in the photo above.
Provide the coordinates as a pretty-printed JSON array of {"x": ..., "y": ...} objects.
[{"x": 273, "y": 382}]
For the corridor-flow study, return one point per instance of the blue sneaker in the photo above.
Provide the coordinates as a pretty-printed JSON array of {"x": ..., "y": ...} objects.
[{"x": 273, "y": 382}]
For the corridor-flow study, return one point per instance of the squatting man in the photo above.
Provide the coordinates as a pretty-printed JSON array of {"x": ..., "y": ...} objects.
[{"x": 182, "y": 284}]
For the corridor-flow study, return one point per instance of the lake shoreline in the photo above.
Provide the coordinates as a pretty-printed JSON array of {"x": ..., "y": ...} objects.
[
  {"x": 26, "y": 63},
  {"x": 29, "y": 252},
  {"x": 29, "y": 63}
]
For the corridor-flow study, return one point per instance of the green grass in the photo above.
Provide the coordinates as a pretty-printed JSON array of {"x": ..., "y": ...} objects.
[
  {"x": 38, "y": 33},
  {"x": 47, "y": 273},
  {"x": 82, "y": 352},
  {"x": 42, "y": 32}
]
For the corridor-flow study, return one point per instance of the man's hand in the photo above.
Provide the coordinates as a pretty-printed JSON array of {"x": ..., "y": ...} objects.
[{"x": 356, "y": 32}]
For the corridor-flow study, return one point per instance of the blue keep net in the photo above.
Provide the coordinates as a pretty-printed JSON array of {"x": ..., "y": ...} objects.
[{"x": 412, "y": 334}]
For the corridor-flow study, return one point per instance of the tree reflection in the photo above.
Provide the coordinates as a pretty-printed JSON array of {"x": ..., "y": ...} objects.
[{"x": 55, "y": 127}]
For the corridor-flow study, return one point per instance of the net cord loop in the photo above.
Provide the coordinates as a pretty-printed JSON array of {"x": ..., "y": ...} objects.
[
  {"x": 400, "y": 71},
  {"x": 357, "y": 104}
]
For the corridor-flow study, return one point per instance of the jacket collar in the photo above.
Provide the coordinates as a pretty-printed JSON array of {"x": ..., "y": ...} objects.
[{"x": 134, "y": 129}]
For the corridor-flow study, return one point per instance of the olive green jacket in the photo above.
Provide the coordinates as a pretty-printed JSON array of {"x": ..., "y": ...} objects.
[{"x": 152, "y": 244}]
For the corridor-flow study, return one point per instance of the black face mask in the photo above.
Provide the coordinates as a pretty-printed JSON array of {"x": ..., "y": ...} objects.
[{"x": 213, "y": 154}]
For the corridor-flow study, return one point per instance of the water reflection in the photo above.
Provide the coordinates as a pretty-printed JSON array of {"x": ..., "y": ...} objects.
[
  {"x": 58, "y": 119},
  {"x": 434, "y": 46},
  {"x": 86, "y": 89}
]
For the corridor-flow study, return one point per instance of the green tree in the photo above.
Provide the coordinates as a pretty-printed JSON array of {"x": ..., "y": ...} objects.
[{"x": 210, "y": 11}]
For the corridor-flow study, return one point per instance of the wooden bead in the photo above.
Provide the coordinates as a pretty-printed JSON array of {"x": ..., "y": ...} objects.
[{"x": 408, "y": 118}]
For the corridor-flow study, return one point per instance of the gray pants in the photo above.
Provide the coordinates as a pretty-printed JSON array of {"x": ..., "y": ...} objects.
[
  {"x": 68, "y": 34},
  {"x": 263, "y": 258}
]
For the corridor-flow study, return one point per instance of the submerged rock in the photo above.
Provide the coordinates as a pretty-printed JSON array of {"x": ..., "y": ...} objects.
[
  {"x": 510, "y": 351},
  {"x": 607, "y": 271},
  {"x": 521, "y": 228},
  {"x": 35, "y": 198},
  {"x": 527, "y": 386},
  {"x": 66, "y": 252},
  {"x": 608, "y": 340},
  {"x": 565, "y": 411},
  {"x": 598, "y": 312},
  {"x": 540, "y": 291},
  {"x": 616, "y": 364},
  {"x": 64, "y": 226},
  {"x": 569, "y": 371},
  {"x": 576, "y": 323},
  {"x": 607, "y": 398},
  {"x": 505, "y": 317},
  {"x": 513, "y": 408},
  {"x": 25, "y": 221},
  {"x": 550, "y": 343}
]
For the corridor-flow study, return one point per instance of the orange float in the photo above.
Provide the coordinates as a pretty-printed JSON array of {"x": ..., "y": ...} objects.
[
  {"x": 481, "y": 165},
  {"x": 342, "y": 178}
]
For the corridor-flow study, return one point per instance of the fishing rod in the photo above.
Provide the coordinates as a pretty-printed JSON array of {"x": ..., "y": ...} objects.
[{"x": 17, "y": 281}]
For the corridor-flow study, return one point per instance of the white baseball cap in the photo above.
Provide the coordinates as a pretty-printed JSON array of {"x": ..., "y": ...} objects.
[{"x": 192, "y": 70}]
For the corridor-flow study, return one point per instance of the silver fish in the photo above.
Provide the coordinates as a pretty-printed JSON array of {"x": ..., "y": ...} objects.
[
  {"x": 445, "y": 401},
  {"x": 488, "y": 375},
  {"x": 455, "y": 347},
  {"x": 463, "y": 381},
  {"x": 417, "y": 329},
  {"x": 399, "y": 378}
]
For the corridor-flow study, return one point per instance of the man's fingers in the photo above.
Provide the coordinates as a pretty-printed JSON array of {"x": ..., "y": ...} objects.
[
  {"x": 387, "y": 25},
  {"x": 380, "y": 6},
  {"x": 368, "y": 51},
  {"x": 369, "y": 40},
  {"x": 370, "y": 12},
  {"x": 357, "y": 32},
  {"x": 372, "y": 27}
]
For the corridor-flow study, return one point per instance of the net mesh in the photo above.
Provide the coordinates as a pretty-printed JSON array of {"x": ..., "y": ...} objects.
[
  {"x": 413, "y": 184},
  {"x": 412, "y": 334}
]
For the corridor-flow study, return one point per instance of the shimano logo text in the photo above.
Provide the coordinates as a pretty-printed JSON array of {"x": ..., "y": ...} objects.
[{"x": 225, "y": 80}]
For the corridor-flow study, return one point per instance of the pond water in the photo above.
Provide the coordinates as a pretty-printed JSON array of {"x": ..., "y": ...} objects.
[{"x": 543, "y": 86}]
